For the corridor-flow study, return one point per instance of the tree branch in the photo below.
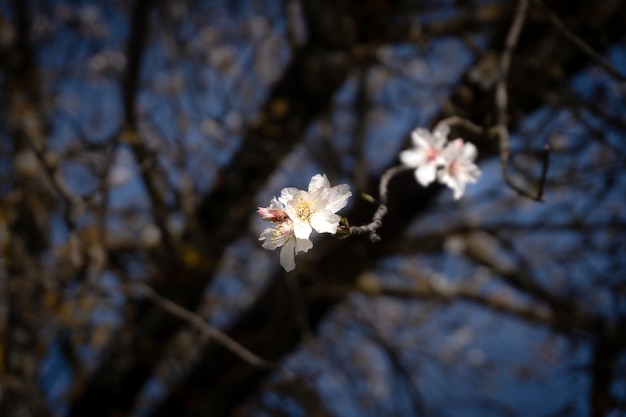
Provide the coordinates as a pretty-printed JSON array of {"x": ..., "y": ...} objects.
[
  {"x": 578, "y": 42},
  {"x": 501, "y": 99},
  {"x": 382, "y": 209},
  {"x": 209, "y": 331}
]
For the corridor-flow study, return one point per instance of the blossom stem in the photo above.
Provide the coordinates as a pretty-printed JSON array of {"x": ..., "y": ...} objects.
[{"x": 377, "y": 219}]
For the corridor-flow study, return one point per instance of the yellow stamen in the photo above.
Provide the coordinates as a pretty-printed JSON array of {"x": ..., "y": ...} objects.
[{"x": 303, "y": 209}]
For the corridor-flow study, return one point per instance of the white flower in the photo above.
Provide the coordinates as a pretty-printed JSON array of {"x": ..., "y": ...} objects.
[
  {"x": 451, "y": 164},
  {"x": 282, "y": 236},
  {"x": 315, "y": 208},
  {"x": 297, "y": 213},
  {"x": 426, "y": 156},
  {"x": 459, "y": 168}
]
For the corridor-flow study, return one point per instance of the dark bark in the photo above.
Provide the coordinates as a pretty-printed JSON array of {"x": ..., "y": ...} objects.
[
  {"x": 27, "y": 230},
  {"x": 607, "y": 349}
]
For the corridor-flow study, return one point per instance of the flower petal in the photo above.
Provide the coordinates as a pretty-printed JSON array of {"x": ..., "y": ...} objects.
[
  {"x": 459, "y": 169},
  {"x": 469, "y": 152},
  {"x": 267, "y": 237},
  {"x": 287, "y": 194},
  {"x": 287, "y": 256},
  {"x": 421, "y": 137},
  {"x": 303, "y": 245},
  {"x": 426, "y": 174},
  {"x": 412, "y": 157},
  {"x": 318, "y": 181},
  {"x": 458, "y": 187},
  {"x": 440, "y": 134},
  {"x": 338, "y": 197},
  {"x": 302, "y": 229},
  {"x": 325, "y": 221}
]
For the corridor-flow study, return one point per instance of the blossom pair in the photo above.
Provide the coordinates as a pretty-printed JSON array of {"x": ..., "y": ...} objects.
[
  {"x": 451, "y": 163},
  {"x": 296, "y": 213}
]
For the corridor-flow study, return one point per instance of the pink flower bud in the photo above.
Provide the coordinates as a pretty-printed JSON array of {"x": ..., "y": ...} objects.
[{"x": 273, "y": 215}]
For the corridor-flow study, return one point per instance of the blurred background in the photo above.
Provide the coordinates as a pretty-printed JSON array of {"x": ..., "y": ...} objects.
[{"x": 137, "y": 139}]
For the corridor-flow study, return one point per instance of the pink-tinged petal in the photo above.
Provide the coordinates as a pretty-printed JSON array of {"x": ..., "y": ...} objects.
[
  {"x": 338, "y": 197},
  {"x": 318, "y": 181},
  {"x": 325, "y": 221},
  {"x": 303, "y": 245},
  {"x": 287, "y": 256},
  {"x": 412, "y": 157},
  {"x": 426, "y": 174},
  {"x": 271, "y": 214}
]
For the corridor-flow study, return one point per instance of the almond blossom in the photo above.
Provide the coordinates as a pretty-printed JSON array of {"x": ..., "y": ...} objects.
[
  {"x": 315, "y": 208},
  {"x": 282, "y": 236},
  {"x": 426, "y": 156},
  {"x": 297, "y": 213},
  {"x": 459, "y": 168},
  {"x": 451, "y": 164}
]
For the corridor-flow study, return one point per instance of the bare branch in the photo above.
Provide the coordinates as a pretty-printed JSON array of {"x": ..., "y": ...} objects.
[
  {"x": 151, "y": 175},
  {"x": 382, "y": 209},
  {"x": 580, "y": 43},
  {"x": 74, "y": 205},
  {"x": 459, "y": 121},
  {"x": 569, "y": 311},
  {"x": 501, "y": 99},
  {"x": 206, "y": 329}
]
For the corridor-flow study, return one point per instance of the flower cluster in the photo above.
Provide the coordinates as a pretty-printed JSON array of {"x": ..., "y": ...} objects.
[
  {"x": 296, "y": 213},
  {"x": 433, "y": 157}
]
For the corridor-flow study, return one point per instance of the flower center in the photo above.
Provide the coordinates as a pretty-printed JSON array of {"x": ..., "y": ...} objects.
[
  {"x": 282, "y": 233},
  {"x": 432, "y": 154},
  {"x": 303, "y": 209}
]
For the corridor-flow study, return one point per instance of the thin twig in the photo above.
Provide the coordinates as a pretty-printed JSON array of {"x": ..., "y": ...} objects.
[
  {"x": 459, "y": 121},
  {"x": 544, "y": 171},
  {"x": 382, "y": 209},
  {"x": 579, "y": 43},
  {"x": 147, "y": 159},
  {"x": 501, "y": 99},
  {"x": 206, "y": 329},
  {"x": 74, "y": 204}
]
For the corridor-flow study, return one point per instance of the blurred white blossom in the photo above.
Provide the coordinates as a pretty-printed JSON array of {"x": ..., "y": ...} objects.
[
  {"x": 433, "y": 158},
  {"x": 459, "y": 168},
  {"x": 426, "y": 156}
]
